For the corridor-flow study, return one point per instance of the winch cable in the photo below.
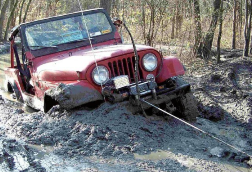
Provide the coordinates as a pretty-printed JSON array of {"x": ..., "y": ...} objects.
[
  {"x": 196, "y": 128},
  {"x": 136, "y": 68},
  {"x": 91, "y": 45}
]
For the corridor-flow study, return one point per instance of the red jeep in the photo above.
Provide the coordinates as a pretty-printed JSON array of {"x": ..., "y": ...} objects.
[{"x": 78, "y": 59}]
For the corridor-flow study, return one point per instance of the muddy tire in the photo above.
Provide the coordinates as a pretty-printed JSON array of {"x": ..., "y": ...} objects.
[{"x": 187, "y": 107}]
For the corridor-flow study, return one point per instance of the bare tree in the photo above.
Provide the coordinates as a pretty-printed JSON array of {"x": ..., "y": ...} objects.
[
  {"x": 21, "y": 10},
  {"x": 208, "y": 39},
  {"x": 144, "y": 20},
  {"x": 14, "y": 2},
  {"x": 26, "y": 11},
  {"x": 220, "y": 31},
  {"x": 157, "y": 10},
  {"x": 247, "y": 27},
  {"x": 173, "y": 26},
  {"x": 2, "y": 17},
  {"x": 234, "y": 24},
  {"x": 197, "y": 22}
]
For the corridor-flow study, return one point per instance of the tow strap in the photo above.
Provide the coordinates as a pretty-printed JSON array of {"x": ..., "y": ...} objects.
[{"x": 202, "y": 131}]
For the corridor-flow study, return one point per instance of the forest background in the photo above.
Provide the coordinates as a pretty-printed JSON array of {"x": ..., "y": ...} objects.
[{"x": 193, "y": 25}]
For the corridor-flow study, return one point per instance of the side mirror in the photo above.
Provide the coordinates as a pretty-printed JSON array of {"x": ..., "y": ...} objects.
[{"x": 117, "y": 22}]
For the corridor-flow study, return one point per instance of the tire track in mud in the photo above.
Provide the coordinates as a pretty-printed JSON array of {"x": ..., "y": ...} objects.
[{"x": 226, "y": 89}]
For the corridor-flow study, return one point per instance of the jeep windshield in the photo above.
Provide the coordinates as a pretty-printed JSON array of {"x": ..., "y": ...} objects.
[{"x": 67, "y": 32}]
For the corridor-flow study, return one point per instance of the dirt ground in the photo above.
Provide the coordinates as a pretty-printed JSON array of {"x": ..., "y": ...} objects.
[{"x": 110, "y": 138}]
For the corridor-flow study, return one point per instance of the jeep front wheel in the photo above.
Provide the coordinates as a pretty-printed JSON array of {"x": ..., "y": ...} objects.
[{"x": 187, "y": 107}]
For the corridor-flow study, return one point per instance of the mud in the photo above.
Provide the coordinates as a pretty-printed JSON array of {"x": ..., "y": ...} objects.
[
  {"x": 71, "y": 96},
  {"x": 226, "y": 88},
  {"x": 110, "y": 138},
  {"x": 18, "y": 156}
]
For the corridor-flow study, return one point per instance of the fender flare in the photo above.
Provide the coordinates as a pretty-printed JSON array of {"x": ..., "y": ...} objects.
[{"x": 171, "y": 67}]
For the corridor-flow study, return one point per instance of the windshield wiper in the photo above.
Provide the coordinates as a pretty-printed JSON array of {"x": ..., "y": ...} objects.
[
  {"x": 42, "y": 46},
  {"x": 76, "y": 41}
]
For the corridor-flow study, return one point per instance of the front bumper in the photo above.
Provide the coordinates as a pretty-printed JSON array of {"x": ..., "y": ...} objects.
[
  {"x": 165, "y": 96},
  {"x": 149, "y": 91}
]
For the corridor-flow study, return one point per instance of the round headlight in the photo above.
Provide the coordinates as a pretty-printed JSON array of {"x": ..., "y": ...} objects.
[
  {"x": 100, "y": 75},
  {"x": 150, "y": 62}
]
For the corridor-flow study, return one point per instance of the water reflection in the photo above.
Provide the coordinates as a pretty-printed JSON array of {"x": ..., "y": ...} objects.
[
  {"x": 4, "y": 63},
  {"x": 187, "y": 161},
  {"x": 14, "y": 103}
]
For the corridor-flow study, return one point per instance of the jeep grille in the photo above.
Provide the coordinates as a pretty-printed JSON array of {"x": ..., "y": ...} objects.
[{"x": 125, "y": 66}]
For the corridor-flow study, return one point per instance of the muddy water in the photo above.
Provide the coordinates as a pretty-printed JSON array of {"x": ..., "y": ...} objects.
[
  {"x": 189, "y": 162},
  {"x": 4, "y": 63},
  {"x": 15, "y": 103}
]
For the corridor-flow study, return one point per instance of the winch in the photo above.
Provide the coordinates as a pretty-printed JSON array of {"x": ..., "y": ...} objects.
[{"x": 119, "y": 88}]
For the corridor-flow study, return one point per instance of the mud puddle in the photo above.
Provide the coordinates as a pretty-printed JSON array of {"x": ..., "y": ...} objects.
[
  {"x": 8, "y": 98},
  {"x": 187, "y": 161},
  {"x": 4, "y": 63},
  {"x": 17, "y": 156}
]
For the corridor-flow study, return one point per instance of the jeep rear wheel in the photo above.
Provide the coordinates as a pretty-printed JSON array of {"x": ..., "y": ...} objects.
[{"x": 187, "y": 107}]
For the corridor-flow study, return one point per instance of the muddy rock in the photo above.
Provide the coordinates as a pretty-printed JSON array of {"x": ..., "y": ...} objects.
[{"x": 217, "y": 151}]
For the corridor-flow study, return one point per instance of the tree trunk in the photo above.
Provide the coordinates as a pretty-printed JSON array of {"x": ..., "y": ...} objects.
[
  {"x": 220, "y": 32},
  {"x": 106, "y": 4},
  {"x": 2, "y": 15},
  {"x": 26, "y": 11},
  {"x": 234, "y": 25},
  {"x": 21, "y": 9},
  {"x": 198, "y": 31},
  {"x": 144, "y": 22},
  {"x": 179, "y": 19},
  {"x": 13, "y": 21},
  {"x": 247, "y": 27},
  {"x": 173, "y": 27},
  {"x": 10, "y": 17},
  {"x": 208, "y": 40},
  {"x": 149, "y": 36},
  {"x": 241, "y": 18}
]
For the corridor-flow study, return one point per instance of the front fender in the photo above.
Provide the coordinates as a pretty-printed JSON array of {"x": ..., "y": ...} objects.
[
  {"x": 72, "y": 95},
  {"x": 171, "y": 67}
]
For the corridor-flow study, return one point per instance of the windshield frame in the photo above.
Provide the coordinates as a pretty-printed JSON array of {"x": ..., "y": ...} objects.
[{"x": 65, "y": 47}]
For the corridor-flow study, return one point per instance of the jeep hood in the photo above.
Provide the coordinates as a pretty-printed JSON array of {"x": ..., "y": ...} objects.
[{"x": 64, "y": 66}]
